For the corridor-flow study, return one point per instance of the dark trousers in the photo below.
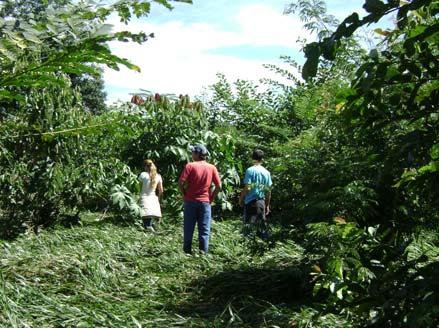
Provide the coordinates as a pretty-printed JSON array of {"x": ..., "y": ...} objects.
[{"x": 254, "y": 215}]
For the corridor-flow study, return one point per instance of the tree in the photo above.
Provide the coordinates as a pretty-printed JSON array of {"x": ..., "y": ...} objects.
[
  {"x": 92, "y": 91},
  {"x": 29, "y": 10},
  {"x": 390, "y": 114},
  {"x": 48, "y": 162},
  {"x": 90, "y": 86}
]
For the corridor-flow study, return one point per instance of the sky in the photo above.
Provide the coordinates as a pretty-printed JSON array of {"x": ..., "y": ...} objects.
[{"x": 193, "y": 43}]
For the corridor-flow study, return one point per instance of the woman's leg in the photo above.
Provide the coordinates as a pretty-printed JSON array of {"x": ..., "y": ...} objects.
[{"x": 147, "y": 222}]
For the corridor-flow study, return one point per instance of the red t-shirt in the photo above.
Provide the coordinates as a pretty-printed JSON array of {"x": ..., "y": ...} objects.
[{"x": 199, "y": 175}]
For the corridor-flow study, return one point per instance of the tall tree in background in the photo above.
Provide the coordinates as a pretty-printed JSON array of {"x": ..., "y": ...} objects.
[
  {"x": 92, "y": 91},
  {"x": 91, "y": 86}
]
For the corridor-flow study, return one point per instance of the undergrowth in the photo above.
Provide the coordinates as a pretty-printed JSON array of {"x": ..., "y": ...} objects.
[{"x": 113, "y": 274}]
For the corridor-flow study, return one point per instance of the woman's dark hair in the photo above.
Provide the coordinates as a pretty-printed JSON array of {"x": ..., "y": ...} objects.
[{"x": 258, "y": 155}]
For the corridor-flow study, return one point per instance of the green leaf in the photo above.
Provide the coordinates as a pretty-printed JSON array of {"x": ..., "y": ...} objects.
[
  {"x": 434, "y": 152},
  {"x": 335, "y": 265},
  {"x": 374, "y": 6},
  {"x": 430, "y": 168},
  {"x": 373, "y": 54},
  {"x": 32, "y": 37},
  {"x": 312, "y": 53},
  {"x": 328, "y": 48},
  {"x": 382, "y": 32},
  {"x": 348, "y": 26}
]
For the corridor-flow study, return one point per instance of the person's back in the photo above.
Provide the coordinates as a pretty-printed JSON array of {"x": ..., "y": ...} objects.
[
  {"x": 151, "y": 185},
  {"x": 195, "y": 184},
  {"x": 259, "y": 180},
  {"x": 200, "y": 174},
  {"x": 256, "y": 195},
  {"x": 148, "y": 188}
]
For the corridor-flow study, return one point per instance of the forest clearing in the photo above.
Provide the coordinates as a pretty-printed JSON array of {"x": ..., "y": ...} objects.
[{"x": 350, "y": 139}]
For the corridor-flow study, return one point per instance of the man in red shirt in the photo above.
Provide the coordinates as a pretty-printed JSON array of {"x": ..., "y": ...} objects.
[{"x": 195, "y": 184}]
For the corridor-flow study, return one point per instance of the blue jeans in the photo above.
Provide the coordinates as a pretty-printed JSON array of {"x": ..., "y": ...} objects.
[{"x": 196, "y": 213}]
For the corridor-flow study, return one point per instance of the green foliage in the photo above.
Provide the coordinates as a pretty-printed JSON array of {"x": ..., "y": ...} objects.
[
  {"x": 125, "y": 202},
  {"x": 314, "y": 14},
  {"x": 253, "y": 118},
  {"x": 29, "y": 10},
  {"x": 92, "y": 91},
  {"x": 163, "y": 131},
  {"x": 48, "y": 173},
  {"x": 316, "y": 20},
  {"x": 52, "y": 160},
  {"x": 370, "y": 162},
  {"x": 376, "y": 10},
  {"x": 341, "y": 272}
]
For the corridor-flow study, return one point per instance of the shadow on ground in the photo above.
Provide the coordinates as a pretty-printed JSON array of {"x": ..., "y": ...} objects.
[{"x": 253, "y": 295}]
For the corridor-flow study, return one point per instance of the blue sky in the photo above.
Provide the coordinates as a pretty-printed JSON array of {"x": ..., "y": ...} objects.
[{"x": 195, "y": 42}]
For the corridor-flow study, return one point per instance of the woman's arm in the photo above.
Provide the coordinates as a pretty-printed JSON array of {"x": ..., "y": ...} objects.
[{"x": 160, "y": 189}]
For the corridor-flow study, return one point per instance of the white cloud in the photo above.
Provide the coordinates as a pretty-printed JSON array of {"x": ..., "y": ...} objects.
[
  {"x": 180, "y": 58},
  {"x": 186, "y": 75}
]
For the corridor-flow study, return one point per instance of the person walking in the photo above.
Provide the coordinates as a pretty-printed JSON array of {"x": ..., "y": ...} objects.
[
  {"x": 150, "y": 194},
  {"x": 195, "y": 184},
  {"x": 255, "y": 196}
]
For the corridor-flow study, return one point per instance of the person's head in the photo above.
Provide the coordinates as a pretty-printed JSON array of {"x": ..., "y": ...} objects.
[
  {"x": 148, "y": 164},
  {"x": 150, "y": 168},
  {"x": 257, "y": 155},
  {"x": 199, "y": 152}
]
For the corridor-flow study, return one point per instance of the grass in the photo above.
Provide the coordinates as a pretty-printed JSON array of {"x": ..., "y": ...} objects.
[{"x": 107, "y": 274}]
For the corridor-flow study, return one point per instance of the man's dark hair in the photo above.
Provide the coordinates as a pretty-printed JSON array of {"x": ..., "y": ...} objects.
[{"x": 258, "y": 155}]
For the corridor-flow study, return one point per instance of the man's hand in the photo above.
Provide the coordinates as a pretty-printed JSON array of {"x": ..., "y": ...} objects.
[
  {"x": 244, "y": 192},
  {"x": 183, "y": 185},
  {"x": 267, "y": 210},
  {"x": 214, "y": 193}
]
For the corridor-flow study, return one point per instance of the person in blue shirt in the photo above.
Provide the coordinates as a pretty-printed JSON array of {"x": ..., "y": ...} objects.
[{"x": 256, "y": 195}]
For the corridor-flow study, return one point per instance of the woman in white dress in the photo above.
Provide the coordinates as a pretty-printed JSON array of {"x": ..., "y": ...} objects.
[{"x": 150, "y": 194}]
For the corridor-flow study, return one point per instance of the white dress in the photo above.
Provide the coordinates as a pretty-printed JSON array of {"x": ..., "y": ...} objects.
[{"x": 149, "y": 202}]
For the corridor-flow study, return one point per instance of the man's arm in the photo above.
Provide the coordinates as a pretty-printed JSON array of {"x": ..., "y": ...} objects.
[
  {"x": 267, "y": 202},
  {"x": 183, "y": 185},
  {"x": 244, "y": 192},
  {"x": 268, "y": 194},
  {"x": 246, "y": 189},
  {"x": 217, "y": 182},
  {"x": 215, "y": 192}
]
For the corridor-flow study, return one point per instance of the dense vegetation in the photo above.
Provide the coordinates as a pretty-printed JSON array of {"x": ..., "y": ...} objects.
[{"x": 353, "y": 148}]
